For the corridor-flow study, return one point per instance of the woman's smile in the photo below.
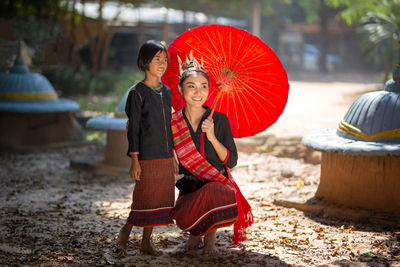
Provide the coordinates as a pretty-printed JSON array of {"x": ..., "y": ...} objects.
[
  {"x": 195, "y": 90},
  {"x": 197, "y": 99}
]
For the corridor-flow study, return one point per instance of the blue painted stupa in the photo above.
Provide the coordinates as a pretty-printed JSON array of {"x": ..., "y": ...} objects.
[
  {"x": 31, "y": 114},
  {"x": 115, "y": 121},
  {"x": 360, "y": 164},
  {"x": 115, "y": 159}
]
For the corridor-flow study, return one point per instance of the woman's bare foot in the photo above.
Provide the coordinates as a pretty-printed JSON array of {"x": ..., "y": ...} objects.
[
  {"x": 193, "y": 242},
  {"x": 148, "y": 249},
  {"x": 209, "y": 244},
  {"x": 192, "y": 245}
]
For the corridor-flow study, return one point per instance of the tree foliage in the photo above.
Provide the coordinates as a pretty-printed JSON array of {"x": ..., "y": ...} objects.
[
  {"x": 35, "y": 23},
  {"x": 378, "y": 24},
  {"x": 240, "y": 9},
  {"x": 23, "y": 8}
]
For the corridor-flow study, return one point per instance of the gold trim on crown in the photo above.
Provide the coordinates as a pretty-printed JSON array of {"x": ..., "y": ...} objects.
[{"x": 190, "y": 64}]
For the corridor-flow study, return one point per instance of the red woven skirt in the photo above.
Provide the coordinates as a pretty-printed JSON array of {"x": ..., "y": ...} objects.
[
  {"x": 154, "y": 195},
  {"x": 210, "y": 207}
]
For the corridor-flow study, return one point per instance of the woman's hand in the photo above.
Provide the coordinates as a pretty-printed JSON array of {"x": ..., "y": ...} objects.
[
  {"x": 135, "y": 169},
  {"x": 208, "y": 127}
]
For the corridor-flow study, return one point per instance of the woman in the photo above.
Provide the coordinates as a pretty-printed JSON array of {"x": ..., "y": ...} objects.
[{"x": 209, "y": 198}]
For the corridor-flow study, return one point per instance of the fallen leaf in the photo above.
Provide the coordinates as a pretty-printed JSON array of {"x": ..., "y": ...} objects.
[{"x": 351, "y": 228}]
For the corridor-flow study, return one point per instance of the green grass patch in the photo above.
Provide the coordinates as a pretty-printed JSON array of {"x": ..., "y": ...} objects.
[{"x": 92, "y": 135}]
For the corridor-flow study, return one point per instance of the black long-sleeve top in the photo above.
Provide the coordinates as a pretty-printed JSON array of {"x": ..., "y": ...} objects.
[
  {"x": 149, "y": 129},
  {"x": 223, "y": 133}
]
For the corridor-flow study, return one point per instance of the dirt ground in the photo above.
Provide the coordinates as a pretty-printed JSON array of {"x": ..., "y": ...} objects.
[{"x": 53, "y": 215}]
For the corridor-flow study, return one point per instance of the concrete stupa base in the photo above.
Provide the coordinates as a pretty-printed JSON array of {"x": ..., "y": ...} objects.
[
  {"x": 30, "y": 130},
  {"x": 114, "y": 162},
  {"x": 369, "y": 182},
  {"x": 116, "y": 148}
]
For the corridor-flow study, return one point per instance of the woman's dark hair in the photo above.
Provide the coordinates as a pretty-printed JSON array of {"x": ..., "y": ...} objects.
[
  {"x": 146, "y": 53},
  {"x": 188, "y": 73}
]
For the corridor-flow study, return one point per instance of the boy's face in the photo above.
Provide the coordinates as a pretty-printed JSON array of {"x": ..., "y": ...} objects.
[{"x": 158, "y": 65}]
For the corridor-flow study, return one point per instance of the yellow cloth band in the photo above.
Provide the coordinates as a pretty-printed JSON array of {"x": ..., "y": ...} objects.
[
  {"x": 28, "y": 96},
  {"x": 119, "y": 114},
  {"x": 354, "y": 131}
]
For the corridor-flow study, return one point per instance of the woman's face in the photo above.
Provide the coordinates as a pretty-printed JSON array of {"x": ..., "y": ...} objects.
[
  {"x": 158, "y": 65},
  {"x": 195, "y": 90}
]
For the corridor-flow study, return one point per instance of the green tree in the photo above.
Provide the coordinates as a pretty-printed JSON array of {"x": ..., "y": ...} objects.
[
  {"x": 99, "y": 46},
  {"x": 24, "y": 8},
  {"x": 239, "y": 9},
  {"x": 35, "y": 23},
  {"x": 318, "y": 10},
  {"x": 378, "y": 24},
  {"x": 233, "y": 8}
]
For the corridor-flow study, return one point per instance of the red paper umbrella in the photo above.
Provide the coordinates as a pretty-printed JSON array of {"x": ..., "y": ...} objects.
[{"x": 247, "y": 80}]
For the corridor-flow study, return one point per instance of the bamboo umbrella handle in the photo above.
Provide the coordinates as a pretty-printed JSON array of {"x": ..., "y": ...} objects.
[{"x": 214, "y": 105}]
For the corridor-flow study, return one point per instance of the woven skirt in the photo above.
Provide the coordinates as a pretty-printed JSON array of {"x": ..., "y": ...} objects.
[
  {"x": 206, "y": 209},
  {"x": 154, "y": 195}
]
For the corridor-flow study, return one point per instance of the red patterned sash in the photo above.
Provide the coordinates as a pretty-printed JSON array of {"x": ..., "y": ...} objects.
[{"x": 192, "y": 160}]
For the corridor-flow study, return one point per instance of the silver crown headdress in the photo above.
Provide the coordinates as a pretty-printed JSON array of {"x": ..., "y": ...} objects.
[{"x": 190, "y": 64}]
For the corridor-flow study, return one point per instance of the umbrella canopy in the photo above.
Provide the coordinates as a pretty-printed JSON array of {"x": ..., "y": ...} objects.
[{"x": 247, "y": 80}]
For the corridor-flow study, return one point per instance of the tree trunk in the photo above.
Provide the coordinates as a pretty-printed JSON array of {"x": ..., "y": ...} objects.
[
  {"x": 98, "y": 40},
  {"x": 185, "y": 21},
  {"x": 256, "y": 18},
  {"x": 105, "y": 48},
  {"x": 100, "y": 45},
  {"x": 323, "y": 37},
  {"x": 72, "y": 33},
  {"x": 85, "y": 28},
  {"x": 165, "y": 33}
]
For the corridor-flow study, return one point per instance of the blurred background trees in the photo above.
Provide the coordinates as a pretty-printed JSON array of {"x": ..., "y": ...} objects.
[
  {"x": 378, "y": 26},
  {"x": 86, "y": 46},
  {"x": 34, "y": 22}
]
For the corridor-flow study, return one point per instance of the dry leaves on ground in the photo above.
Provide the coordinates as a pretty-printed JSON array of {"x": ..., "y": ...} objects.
[{"x": 53, "y": 215}]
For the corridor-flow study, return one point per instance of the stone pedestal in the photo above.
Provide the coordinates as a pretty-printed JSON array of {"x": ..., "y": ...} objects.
[
  {"x": 116, "y": 148},
  {"x": 369, "y": 182},
  {"x": 114, "y": 162},
  {"x": 30, "y": 130}
]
